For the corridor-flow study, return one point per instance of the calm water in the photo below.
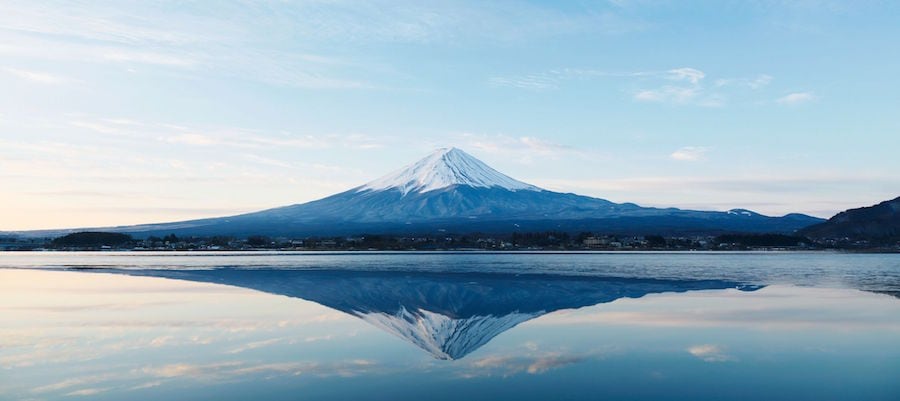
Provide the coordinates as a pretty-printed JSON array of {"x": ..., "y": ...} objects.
[{"x": 281, "y": 326}]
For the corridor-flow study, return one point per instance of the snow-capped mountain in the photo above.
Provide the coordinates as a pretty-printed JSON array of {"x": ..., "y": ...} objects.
[
  {"x": 448, "y": 315},
  {"x": 444, "y": 168},
  {"x": 442, "y": 336},
  {"x": 452, "y": 191}
]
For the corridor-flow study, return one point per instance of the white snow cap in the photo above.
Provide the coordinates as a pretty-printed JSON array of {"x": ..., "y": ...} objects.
[
  {"x": 442, "y": 336},
  {"x": 443, "y": 168}
]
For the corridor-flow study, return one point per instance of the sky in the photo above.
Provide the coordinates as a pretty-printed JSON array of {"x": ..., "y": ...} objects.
[{"x": 126, "y": 112}]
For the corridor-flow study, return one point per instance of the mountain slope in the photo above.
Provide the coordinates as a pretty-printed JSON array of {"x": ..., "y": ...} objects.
[
  {"x": 878, "y": 222},
  {"x": 451, "y": 191}
]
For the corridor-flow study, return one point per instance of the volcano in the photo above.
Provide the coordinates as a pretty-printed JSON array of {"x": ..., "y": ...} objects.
[{"x": 450, "y": 191}]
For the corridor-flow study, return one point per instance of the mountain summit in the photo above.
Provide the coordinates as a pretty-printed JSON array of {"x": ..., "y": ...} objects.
[
  {"x": 452, "y": 191},
  {"x": 444, "y": 168}
]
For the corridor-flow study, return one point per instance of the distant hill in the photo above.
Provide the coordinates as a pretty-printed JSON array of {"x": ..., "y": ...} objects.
[
  {"x": 92, "y": 239},
  {"x": 880, "y": 223}
]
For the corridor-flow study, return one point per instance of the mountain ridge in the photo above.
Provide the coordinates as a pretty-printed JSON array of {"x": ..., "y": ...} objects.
[
  {"x": 879, "y": 222},
  {"x": 452, "y": 191}
]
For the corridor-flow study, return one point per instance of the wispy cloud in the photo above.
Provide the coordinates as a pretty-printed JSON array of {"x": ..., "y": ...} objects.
[
  {"x": 235, "y": 137},
  {"x": 532, "y": 82},
  {"x": 796, "y": 98},
  {"x": 143, "y": 57},
  {"x": 555, "y": 78},
  {"x": 523, "y": 149},
  {"x": 255, "y": 344},
  {"x": 691, "y": 75},
  {"x": 191, "y": 139},
  {"x": 758, "y": 82},
  {"x": 246, "y": 40},
  {"x": 689, "y": 153},
  {"x": 509, "y": 365},
  {"x": 691, "y": 91},
  {"x": 73, "y": 382},
  {"x": 37, "y": 76},
  {"x": 682, "y": 85},
  {"x": 710, "y": 353},
  {"x": 231, "y": 370},
  {"x": 87, "y": 392},
  {"x": 499, "y": 143},
  {"x": 674, "y": 94},
  {"x": 145, "y": 35}
]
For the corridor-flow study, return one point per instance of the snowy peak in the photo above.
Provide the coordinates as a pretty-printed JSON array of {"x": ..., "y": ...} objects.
[
  {"x": 743, "y": 212},
  {"x": 442, "y": 336},
  {"x": 443, "y": 168}
]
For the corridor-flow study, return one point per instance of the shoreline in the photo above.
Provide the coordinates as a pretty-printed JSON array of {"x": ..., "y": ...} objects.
[{"x": 460, "y": 251}]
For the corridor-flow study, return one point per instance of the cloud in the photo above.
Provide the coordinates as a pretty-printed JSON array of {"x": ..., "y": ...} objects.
[
  {"x": 679, "y": 94},
  {"x": 549, "y": 362},
  {"x": 37, "y": 76},
  {"x": 73, "y": 382},
  {"x": 522, "y": 149},
  {"x": 255, "y": 345},
  {"x": 87, "y": 392},
  {"x": 231, "y": 370},
  {"x": 762, "y": 80},
  {"x": 150, "y": 384},
  {"x": 143, "y": 34},
  {"x": 93, "y": 126},
  {"x": 691, "y": 75},
  {"x": 689, "y": 153},
  {"x": 438, "y": 22},
  {"x": 674, "y": 94},
  {"x": 234, "y": 137},
  {"x": 161, "y": 341},
  {"x": 508, "y": 365},
  {"x": 796, "y": 98},
  {"x": 500, "y": 143},
  {"x": 246, "y": 40},
  {"x": 191, "y": 370},
  {"x": 123, "y": 56},
  {"x": 192, "y": 139},
  {"x": 533, "y": 82},
  {"x": 688, "y": 89},
  {"x": 710, "y": 353},
  {"x": 554, "y": 78}
]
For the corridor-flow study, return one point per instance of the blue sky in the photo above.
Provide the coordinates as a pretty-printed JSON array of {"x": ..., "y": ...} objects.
[{"x": 147, "y": 111}]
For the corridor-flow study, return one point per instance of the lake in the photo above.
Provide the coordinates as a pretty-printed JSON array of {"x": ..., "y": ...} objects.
[{"x": 449, "y": 326}]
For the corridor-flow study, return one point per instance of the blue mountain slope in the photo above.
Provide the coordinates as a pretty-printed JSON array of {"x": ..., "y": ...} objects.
[{"x": 450, "y": 190}]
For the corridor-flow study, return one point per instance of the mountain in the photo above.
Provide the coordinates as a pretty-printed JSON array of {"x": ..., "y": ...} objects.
[
  {"x": 451, "y": 191},
  {"x": 880, "y": 222},
  {"x": 448, "y": 315}
]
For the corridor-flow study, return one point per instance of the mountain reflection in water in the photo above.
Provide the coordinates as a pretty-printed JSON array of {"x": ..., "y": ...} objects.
[{"x": 449, "y": 315}]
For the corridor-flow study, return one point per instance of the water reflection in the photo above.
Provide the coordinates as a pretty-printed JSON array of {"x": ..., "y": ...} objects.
[
  {"x": 183, "y": 336},
  {"x": 448, "y": 315}
]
